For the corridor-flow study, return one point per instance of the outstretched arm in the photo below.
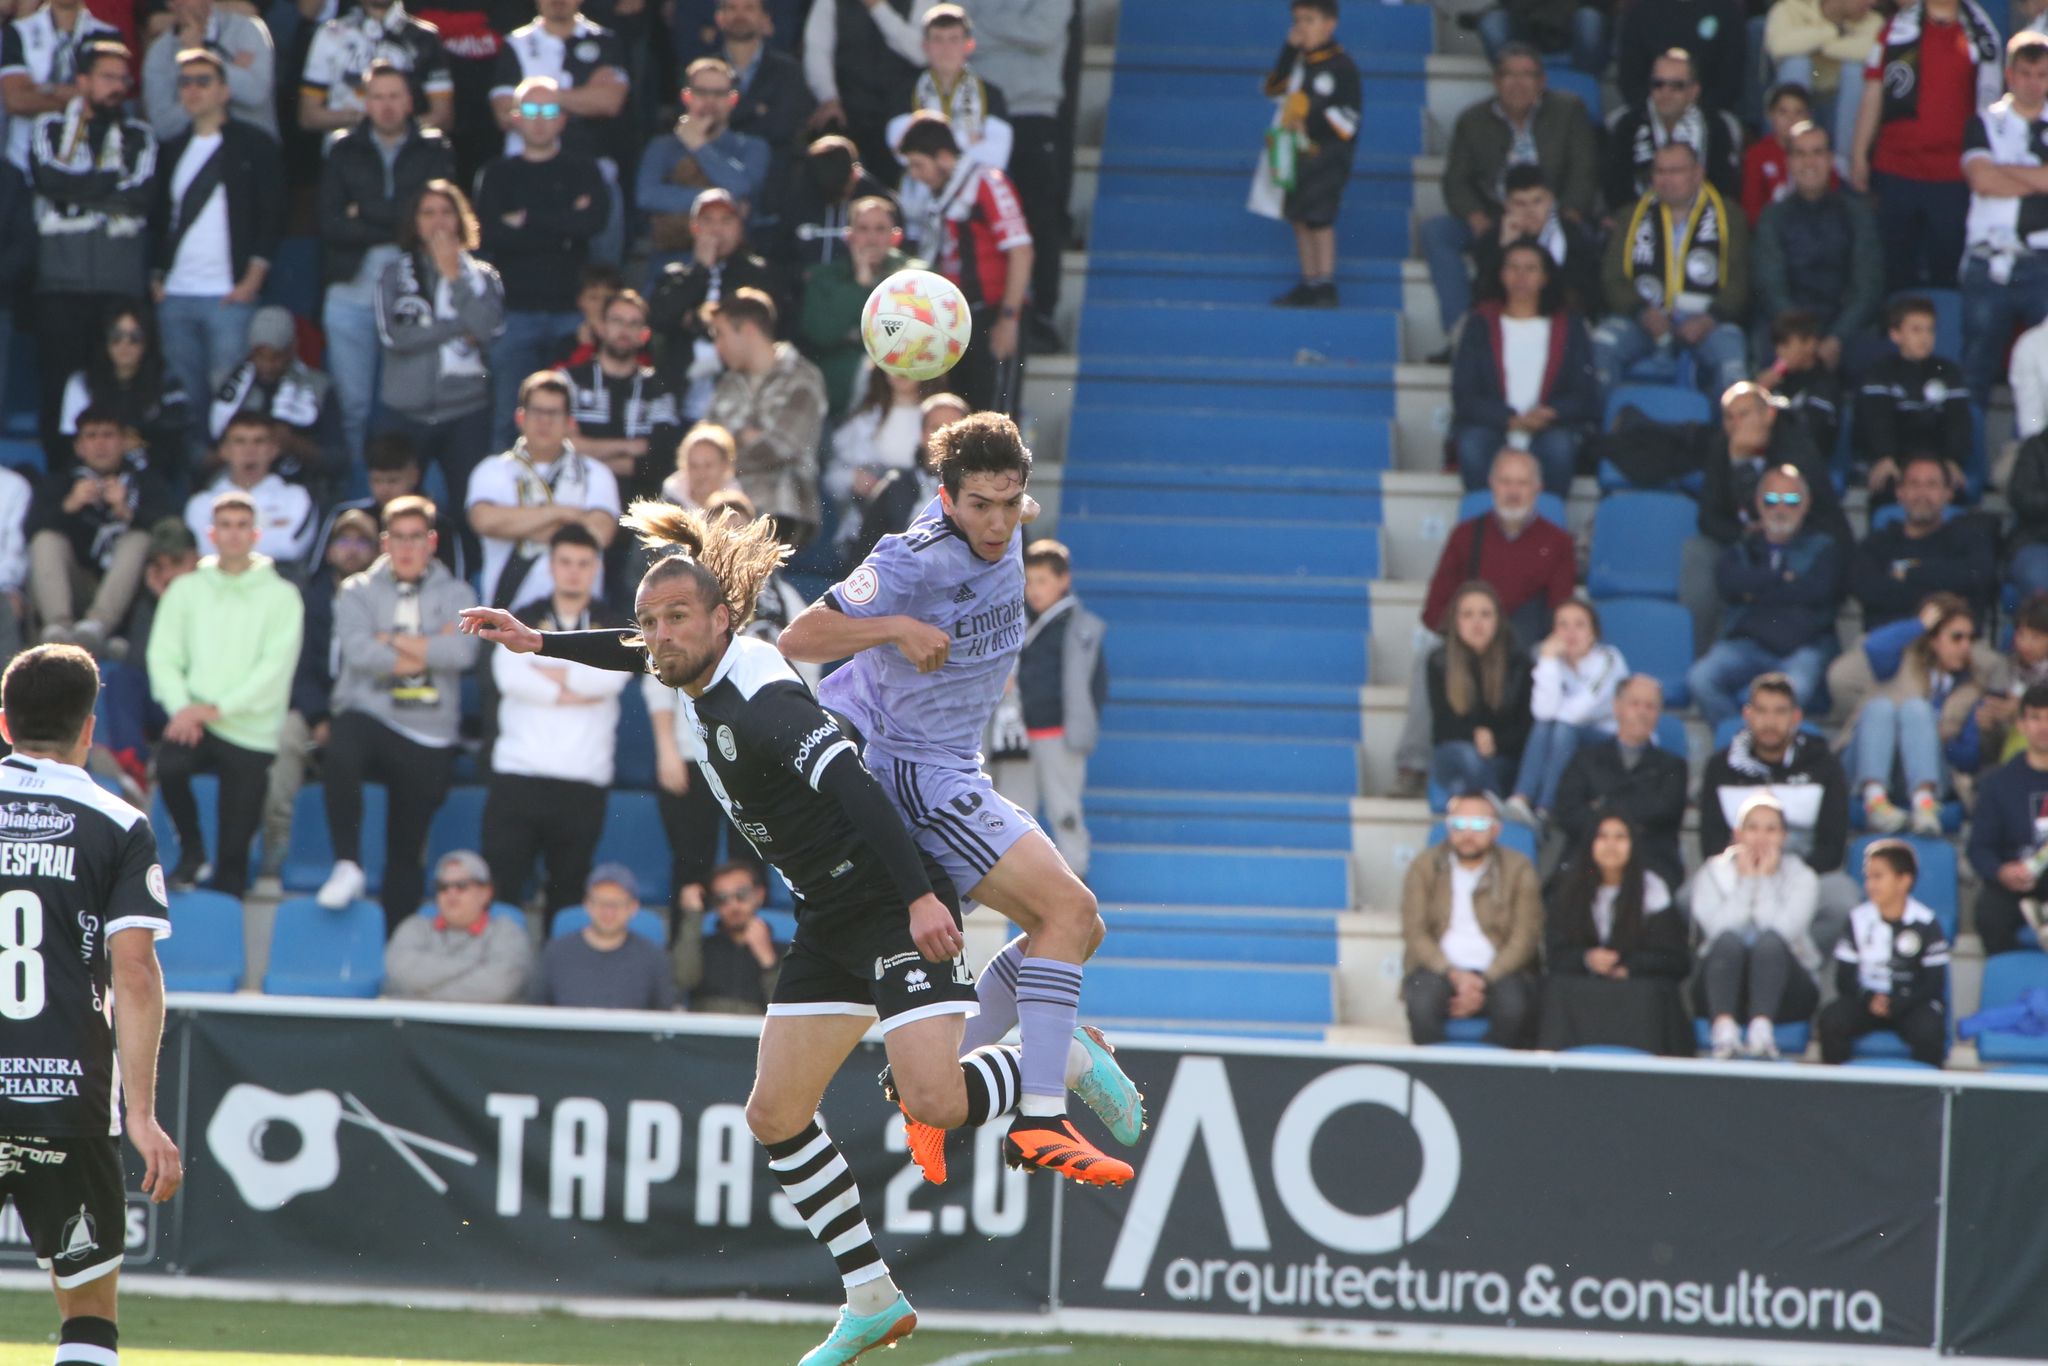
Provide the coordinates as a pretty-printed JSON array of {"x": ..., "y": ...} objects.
[
  {"x": 598, "y": 649},
  {"x": 822, "y": 633}
]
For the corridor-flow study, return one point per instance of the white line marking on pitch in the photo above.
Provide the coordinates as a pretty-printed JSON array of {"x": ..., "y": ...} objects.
[{"x": 1002, "y": 1354}]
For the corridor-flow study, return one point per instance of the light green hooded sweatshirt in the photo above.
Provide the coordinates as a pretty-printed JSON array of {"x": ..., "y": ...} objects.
[{"x": 230, "y": 641}]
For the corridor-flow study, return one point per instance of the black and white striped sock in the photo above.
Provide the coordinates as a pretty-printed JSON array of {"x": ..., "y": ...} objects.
[
  {"x": 995, "y": 1077},
  {"x": 88, "y": 1341},
  {"x": 815, "y": 1177}
]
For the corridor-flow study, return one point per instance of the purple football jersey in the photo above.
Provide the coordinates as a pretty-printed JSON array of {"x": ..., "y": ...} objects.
[{"x": 930, "y": 573}]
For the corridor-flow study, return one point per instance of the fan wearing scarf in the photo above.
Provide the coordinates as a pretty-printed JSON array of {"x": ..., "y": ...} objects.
[
  {"x": 975, "y": 109},
  {"x": 93, "y": 174},
  {"x": 1677, "y": 276},
  {"x": 1934, "y": 66}
]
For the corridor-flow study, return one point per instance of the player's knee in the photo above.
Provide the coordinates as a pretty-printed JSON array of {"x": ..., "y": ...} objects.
[
  {"x": 1073, "y": 908},
  {"x": 1096, "y": 935},
  {"x": 938, "y": 1101},
  {"x": 770, "y": 1122}
]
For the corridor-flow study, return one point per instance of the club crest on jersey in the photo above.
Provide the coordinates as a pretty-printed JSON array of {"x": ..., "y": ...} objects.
[
  {"x": 727, "y": 745},
  {"x": 80, "y": 1237},
  {"x": 1908, "y": 943},
  {"x": 35, "y": 821},
  {"x": 861, "y": 586},
  {"x": 154, "y": 880}
]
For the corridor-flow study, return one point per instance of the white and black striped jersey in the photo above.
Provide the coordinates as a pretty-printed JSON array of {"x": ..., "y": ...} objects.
[
  {"x": 787, "y": 771},
  {"x": 77, "y": 866},
  {"x": 1906, "y": 959}
]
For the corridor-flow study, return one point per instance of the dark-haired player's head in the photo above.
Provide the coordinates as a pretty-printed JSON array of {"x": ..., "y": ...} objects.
[
  {"x": 1890, "y": 869},
  {"x": 1048, "y": 575},
  {"x": 737, "y": 894},
  {"x": 1910, "y": 322},
  {"x": 983, "y": 467},
  {"x": 574, "y": 557},
  {"x": 46, "y": 701},
  {"x": 929, "y": 149},
  {"x": 394, "y": 466},
  {"x": 1771, "y": 715}
]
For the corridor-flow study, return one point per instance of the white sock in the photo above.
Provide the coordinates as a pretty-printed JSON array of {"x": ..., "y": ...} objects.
[
  {"x": 872, "y": 1296},
  {"x": 1078, "y": 1063}
]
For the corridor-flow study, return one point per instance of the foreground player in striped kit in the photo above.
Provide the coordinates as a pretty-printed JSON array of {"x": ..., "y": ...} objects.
[
  {"x": 878, "y": 923},
  {"x": 934, "y": 622}
]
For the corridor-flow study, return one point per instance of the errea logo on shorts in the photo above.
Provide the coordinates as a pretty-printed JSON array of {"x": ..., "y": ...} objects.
[{"x": 916, "y": 980}]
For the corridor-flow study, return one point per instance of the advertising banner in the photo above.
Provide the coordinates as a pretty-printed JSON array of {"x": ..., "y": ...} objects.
[
  {"x": 562, "y": 1162},
  {"x": 1694, "y": 1203},
  {"x": 1997, "y": 1241}
]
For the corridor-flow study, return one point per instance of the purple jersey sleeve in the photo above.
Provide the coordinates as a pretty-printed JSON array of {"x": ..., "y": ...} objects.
[{"x": 890, "y": 582}]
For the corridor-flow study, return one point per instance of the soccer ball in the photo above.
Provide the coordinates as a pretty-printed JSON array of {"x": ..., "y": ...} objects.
[{"x": 916, "y": 324}]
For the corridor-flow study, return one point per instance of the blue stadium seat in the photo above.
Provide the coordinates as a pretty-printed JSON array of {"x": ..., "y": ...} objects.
[
  {"x": 1513, "y": 835},
  {"x": 1936, "y": 888},
  {"x": 1792, "y": 1038},
  {"x": 1675, "y": 401},
  {"x": 649, "y": 925},
  {"x": 1569, "y": 81},
  {"x": 2007, "y": 978},
  {"x": 204, "y": 952},
  {"x": 294, "y": 279},
  {"x": 1671, "y": 736},
  {"x": 1673, "y": 367},
  {"x": 1549, "y": 507},
  {"x": 318, "y": 952},
  {"x": 459, "y": 824},
  {"x": 1466, "y": 1031},
  {"x": 310, "y": 857},
  {"x": 634, "y": 766},
  {"x": 24, "y": 456},
  {"x": 1655, "y": 636},
  {"x": 1637, "y": 538},
  {"x": 634, "y": 835}
]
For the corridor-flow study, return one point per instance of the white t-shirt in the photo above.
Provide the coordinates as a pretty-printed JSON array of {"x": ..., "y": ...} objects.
[
  {"x": 1464, "y": 943},
  {"x": 539, "y": 737},
  {"x": 204, "y": 265},
  {"x": 1525, "y": 355},
  {"x": 572, "y": 480}
]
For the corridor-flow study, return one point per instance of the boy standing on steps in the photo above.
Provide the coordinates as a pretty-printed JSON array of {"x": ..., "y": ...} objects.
[{"x": 1317, "y": 84}]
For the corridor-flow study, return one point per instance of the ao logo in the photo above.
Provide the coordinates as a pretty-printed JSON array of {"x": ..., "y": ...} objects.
[{"x": 1201, "y": 1105}]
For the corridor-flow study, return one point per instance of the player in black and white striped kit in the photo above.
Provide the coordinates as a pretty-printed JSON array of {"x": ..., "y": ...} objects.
[{"x": 82, "y": 904}]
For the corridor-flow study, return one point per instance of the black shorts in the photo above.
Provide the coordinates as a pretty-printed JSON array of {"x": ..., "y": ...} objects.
[
  {"x": 1319, "y": 181},
  {"x": 72, "y": 1199},
  {"x": 853, "y": 955}
]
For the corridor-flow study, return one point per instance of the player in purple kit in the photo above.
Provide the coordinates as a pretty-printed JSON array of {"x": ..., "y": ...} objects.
[{"x": 933, "y": 621}]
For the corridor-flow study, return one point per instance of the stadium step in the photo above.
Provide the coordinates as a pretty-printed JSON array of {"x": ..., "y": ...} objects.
[
  {"x": 1309, "y": 385},
  {"x": 1106, "y": 490},
  {"x": 1250, "y": 284},
  {"x": 1275, "y": 442},
  {"x": 1159, "y": 27},
  {"x": 1189, "y": 546},
  {"x": 1200, "y": 934},
  {"x": 1240, "y": 331},
  {"x": 1212, "y": 993},
  {"x": 1198, "y": 601},
  {"x": 1311, "y": 659},
  {"x": 1205, "y": 763},
  {"x": 1218, "y": 819},
  {"x": 1220, "y": 227}
]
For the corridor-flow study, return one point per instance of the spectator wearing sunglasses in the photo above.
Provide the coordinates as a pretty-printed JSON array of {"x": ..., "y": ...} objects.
[
  {"x": 1780, "y": 586},
  {"x": 731, "y": 968},
  {"x": 1911, "y": 688},
  {"x": 539, "y": 211},
  {"x": 456, "y": 950},
  {"x": 1929, "y": 549},
  {"x": 1471, "y": 922}
]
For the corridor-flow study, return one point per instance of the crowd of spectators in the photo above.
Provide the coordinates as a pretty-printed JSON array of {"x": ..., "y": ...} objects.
[
  {"x": 1789, "y": 192},
  {"x": 346, "y": 317}
]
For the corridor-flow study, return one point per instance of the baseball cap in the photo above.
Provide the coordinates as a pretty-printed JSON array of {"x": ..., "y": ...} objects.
[
  {"x": 616, "y": 873},
  {"x": 714, "y": 198},
  {"x": 272, "y": 326}
]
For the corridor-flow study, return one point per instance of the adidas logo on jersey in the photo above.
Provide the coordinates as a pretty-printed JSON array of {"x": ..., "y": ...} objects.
[
  {"x": 963, "y": 594},
  {"x": 916, "y": 980}
]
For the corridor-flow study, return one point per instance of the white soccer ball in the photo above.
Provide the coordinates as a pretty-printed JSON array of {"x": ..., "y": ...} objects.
[{"x": 916, "y": 324}]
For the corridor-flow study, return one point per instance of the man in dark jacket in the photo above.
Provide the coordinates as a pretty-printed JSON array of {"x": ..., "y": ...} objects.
[
  {"x": 1628, "y": 775},
  {"x": 1926, "y": 551},
  {"x": 1780, "y": 586},
  {"x": 539, "y": 212},
  {"x": 94, "y": 174},
  {"x": 218, "y": 218},
  {"x": 360, "y": 203},
  {"x": 1754, "y": 437},
  {"x": 818, "y": 200},
  {"x": 17, "y": 254},
  {"x": 1817, "y": 249},
  {"x": 1484, "y": 148},
  {"x": 719, "y": 265},
  {"x": 2006, "y": 844},
  {"x": 1672, "y": 113}
]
